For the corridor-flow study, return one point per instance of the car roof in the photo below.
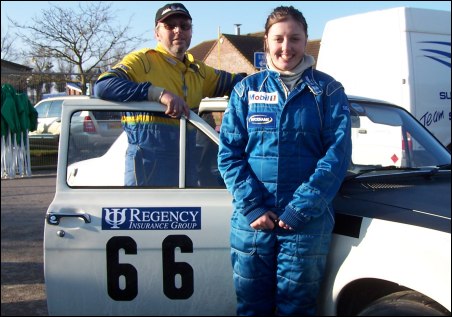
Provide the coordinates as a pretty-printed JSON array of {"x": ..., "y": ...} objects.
[
  {"x": 64, "y": 98},
  {"x": 362, "y": 98},
  {"x": 212, "y": 104}
]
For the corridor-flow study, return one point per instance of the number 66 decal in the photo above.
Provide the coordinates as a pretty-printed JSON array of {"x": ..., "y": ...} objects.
[{"x": 171, "y": 268}]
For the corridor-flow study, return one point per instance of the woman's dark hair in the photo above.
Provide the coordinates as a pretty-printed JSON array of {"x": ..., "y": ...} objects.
[{"x": 283, "y": 13}]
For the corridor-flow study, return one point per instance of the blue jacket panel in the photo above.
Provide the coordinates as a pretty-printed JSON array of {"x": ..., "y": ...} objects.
[{"x": 285, "y": 151}]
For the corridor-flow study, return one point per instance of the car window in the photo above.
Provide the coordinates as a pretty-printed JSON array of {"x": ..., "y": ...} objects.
[
  {"x": 107, "y": 115},
  {"x": 201, "y": 153},
  {"x": 43, "y": 108},
  {"x": 55, "y": 109},
  {"x": 97, "y": 158},
  {"x": 213, "y": 118},
  {"x": 384, "y": 136}
]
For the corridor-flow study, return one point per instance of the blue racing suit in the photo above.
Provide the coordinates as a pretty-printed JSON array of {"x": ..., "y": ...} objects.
[{"x": 287, "y": 152}]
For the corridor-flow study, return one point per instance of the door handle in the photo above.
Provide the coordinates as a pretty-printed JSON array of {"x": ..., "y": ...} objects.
[{"x": 54, "y": 218}]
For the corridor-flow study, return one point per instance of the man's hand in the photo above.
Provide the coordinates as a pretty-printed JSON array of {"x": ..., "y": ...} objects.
[{"x": 175, "y": 105}]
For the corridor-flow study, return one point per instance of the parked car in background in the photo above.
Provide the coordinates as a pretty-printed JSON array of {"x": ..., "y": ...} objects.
[
  {"x": 49, "y": 118},
  {"x": 116, "y": 250},
  {"x": 91, "y": 130}
]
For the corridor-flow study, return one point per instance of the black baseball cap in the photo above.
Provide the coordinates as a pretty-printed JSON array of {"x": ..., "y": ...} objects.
[{"x": 171, "y": 9}]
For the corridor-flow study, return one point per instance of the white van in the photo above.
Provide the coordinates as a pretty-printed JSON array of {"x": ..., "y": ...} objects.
[{"x": 400, "y": 55}]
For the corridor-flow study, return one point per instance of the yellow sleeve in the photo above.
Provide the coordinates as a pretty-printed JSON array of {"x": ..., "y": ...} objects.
[{"x": 134, "y": 65}]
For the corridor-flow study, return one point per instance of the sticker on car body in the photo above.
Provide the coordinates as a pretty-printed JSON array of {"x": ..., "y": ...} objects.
[{"x": 151, "y": 218}]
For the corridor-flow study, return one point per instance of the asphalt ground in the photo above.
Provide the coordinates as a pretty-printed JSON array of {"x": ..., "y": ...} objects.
[{"x": 24, "y": 204}]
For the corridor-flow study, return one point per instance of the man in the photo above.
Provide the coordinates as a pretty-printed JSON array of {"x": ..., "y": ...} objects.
[{"x": 166, "y": 74}]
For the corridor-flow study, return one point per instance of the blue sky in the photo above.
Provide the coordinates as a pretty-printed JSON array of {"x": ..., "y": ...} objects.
[{"x": 209, "y": 17}]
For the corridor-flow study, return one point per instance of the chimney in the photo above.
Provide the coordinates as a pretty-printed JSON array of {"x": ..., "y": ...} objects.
[{"x": 237, "y": 29}]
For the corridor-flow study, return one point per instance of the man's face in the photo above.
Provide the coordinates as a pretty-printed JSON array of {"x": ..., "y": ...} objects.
[{"x": 175, "y": 33}]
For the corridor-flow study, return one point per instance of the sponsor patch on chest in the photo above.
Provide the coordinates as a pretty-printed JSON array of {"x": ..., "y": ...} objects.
[
  {"x": 262, "y": 120},
  {"x": 262, "y": 97}
]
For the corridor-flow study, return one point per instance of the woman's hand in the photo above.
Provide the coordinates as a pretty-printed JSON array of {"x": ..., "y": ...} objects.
[{"x": 269, "y": 221}]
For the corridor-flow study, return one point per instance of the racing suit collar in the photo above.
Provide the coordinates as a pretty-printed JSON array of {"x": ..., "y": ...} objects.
[
  {"x": 307, "y": 80},
  {"x": 188, "y": 59}
]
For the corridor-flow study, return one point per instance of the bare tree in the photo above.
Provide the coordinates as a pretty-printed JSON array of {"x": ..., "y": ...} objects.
[
  {"x": 41, "y": 79},
  {"x": 64, "y": 75},
  {"x": 8, "y": 49},
  {"x": 86, "y": 38}
]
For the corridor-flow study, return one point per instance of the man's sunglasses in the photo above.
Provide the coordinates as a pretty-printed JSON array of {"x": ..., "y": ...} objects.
[{"x": 183, "y": 26}]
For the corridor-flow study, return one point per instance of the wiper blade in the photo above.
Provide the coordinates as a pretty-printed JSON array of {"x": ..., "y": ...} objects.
[
  {"x": 444, "y": 167},
  {"x": 389, "y": 168}
]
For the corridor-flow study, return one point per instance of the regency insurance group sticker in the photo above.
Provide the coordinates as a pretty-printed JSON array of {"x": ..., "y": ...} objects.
[{"x": 151, "y": 218}]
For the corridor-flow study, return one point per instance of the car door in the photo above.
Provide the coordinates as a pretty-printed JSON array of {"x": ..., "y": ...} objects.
[{"x": 116, "y": 250}]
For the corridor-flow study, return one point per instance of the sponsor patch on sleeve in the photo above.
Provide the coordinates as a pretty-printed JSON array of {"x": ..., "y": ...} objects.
[
  {"x": 123, "y": 67},
  {"x": 345, "y": 108},
  {"x": 151, "y": 218}
]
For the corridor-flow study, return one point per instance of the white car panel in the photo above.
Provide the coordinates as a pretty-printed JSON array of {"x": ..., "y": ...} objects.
[
  {"x": 81, "y": 241},
  {"x": 354, "y": 259}
]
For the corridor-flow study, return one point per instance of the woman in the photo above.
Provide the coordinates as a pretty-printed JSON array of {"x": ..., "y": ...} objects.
[{"x": 284, "y": 150}]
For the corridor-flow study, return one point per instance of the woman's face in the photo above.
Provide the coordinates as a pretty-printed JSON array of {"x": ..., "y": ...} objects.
[{"x": 286, "y": 42}]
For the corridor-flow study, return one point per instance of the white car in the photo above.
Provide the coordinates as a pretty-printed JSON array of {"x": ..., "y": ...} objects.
[{"x": 116, "y": 250}]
